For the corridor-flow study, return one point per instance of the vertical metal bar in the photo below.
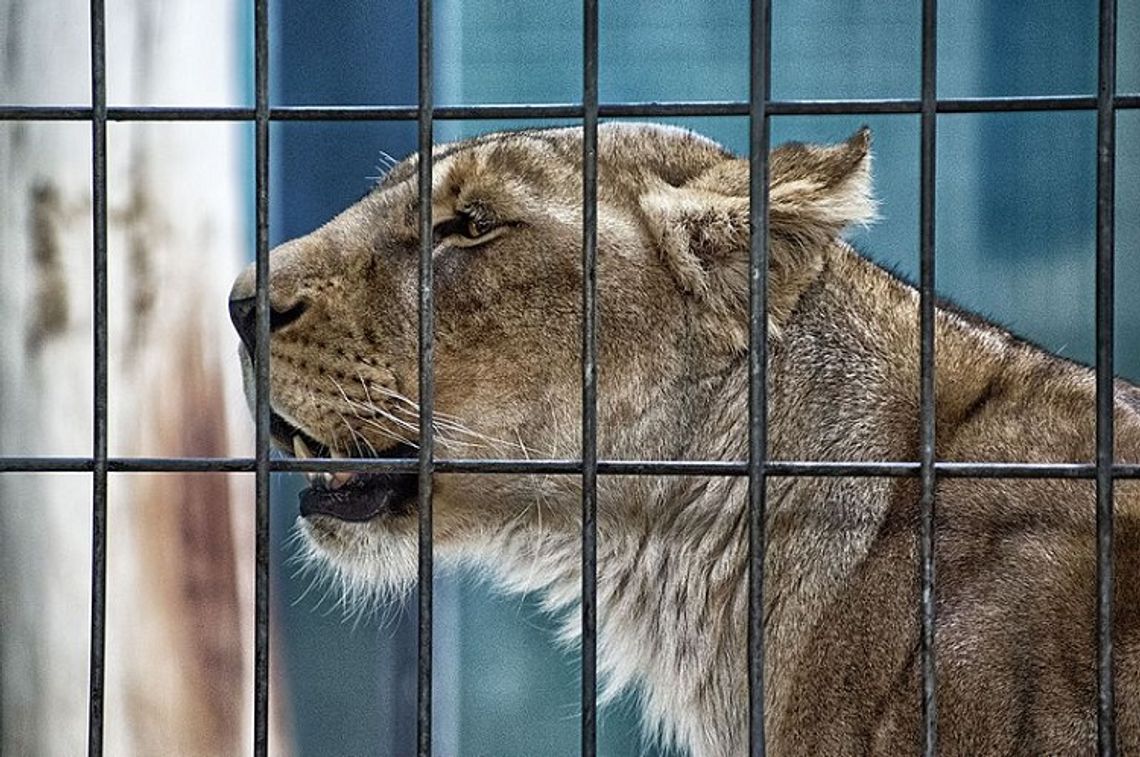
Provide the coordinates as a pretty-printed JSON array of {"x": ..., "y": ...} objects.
[
  {"x": 427, "y": 387},
  {"x": 589, "y": 377},
  {"x": 261, "y": 365},
  {"x": 1105, "y": 316},
  {"x": 760, "y": 65},
  {"x": 99, "y": 400},
  {"x": 926, "y": 372}
]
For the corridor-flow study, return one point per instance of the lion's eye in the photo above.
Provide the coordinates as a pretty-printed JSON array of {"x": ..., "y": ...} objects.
[
  {"x": 477, "y": 227},
  {"x": 466, "y": 230}
]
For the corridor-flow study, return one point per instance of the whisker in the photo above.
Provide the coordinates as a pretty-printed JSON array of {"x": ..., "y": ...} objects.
[
  {"x": 404, "y": 414},
  {"x": 387, "y": 433}
]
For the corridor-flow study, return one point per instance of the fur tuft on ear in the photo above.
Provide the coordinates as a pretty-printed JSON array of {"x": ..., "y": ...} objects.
[{"x": 828, "y": 187}]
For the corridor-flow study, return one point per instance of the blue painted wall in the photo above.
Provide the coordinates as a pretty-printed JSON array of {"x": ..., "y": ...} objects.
[{"x": 348, "y": 684}]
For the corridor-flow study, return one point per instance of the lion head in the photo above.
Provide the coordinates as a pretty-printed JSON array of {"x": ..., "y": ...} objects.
[{"x": 672, "y": 241}]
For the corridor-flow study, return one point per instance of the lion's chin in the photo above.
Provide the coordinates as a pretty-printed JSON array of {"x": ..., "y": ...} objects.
[{"x": 375, "y": 558}]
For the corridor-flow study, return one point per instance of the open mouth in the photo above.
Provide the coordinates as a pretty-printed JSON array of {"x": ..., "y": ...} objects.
[{"x": 348, "y": 495}]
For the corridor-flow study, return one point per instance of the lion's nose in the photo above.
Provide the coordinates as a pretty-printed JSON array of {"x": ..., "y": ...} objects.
[{"x": 243, "y": 313}]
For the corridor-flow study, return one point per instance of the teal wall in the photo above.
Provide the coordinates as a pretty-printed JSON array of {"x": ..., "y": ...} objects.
[{"x": 1015, "y": 241}]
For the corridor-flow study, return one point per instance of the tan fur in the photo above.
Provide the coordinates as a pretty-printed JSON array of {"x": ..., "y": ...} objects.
[{"x": 1016, "y": 578}]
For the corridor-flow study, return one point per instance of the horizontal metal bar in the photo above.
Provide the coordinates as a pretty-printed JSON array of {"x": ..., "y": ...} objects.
[
  {"x": 951, "y": 105},
  {"x": 563, "y": 110},
  {"x": 787, "y": 468}
]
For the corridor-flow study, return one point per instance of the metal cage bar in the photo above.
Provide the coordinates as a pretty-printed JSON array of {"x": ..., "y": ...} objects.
[
  {"x": 1105, "y": 391},
  {"x": 772, "y": 468},
  {"x": 873, "y": 106},
  {"x": 927, "y": 474},
  {"x": 97, "y": 668},
  {"x": 425, "y": 464},
  {"x": 760, "y": 80},
  {"x": 589, "y": 735},
  {"x": 261, "y": 386},
  {"x": 758, "y": 108}
]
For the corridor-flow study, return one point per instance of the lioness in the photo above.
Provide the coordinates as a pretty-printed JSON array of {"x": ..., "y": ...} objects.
[{"x": 1015, "y": 558}]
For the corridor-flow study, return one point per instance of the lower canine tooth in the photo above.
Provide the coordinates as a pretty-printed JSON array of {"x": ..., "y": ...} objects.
[
  {"x": 318, "y": 479},
  {"x": 300, "y": 449},
  {"x": 340, "y": 478}
]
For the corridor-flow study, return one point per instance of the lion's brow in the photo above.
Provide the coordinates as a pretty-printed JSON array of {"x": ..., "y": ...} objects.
[{"x": 406, "y": 169}]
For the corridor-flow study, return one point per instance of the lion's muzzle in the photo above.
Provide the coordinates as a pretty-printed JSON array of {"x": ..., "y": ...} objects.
[{"x": 344, "y": 495}]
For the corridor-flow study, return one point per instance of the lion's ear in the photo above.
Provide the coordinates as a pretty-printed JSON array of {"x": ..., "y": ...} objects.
[
  {"x": 821, "y": 188},
  {"x": 815, "y": 192},
  {"x": 813, "y": 189}
]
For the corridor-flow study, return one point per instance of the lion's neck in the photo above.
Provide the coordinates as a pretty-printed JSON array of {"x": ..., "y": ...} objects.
[
  {"x": 673, "y": 554},
  {"x": 671, "y": 594},
  {"x": 673, "y": 603}
]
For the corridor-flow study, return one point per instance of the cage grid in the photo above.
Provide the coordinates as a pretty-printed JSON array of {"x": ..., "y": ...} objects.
[{"x": 759, "y": 108}]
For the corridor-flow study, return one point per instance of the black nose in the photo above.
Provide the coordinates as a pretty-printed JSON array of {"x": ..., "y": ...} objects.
[{"x": 243, "y": 313}]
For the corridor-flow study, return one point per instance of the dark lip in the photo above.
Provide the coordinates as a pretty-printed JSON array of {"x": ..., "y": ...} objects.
[{"x": 366, "y": 496}]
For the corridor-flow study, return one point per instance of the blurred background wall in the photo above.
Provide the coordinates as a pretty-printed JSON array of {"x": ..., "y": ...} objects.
[{"x": 179, "y": 558}]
